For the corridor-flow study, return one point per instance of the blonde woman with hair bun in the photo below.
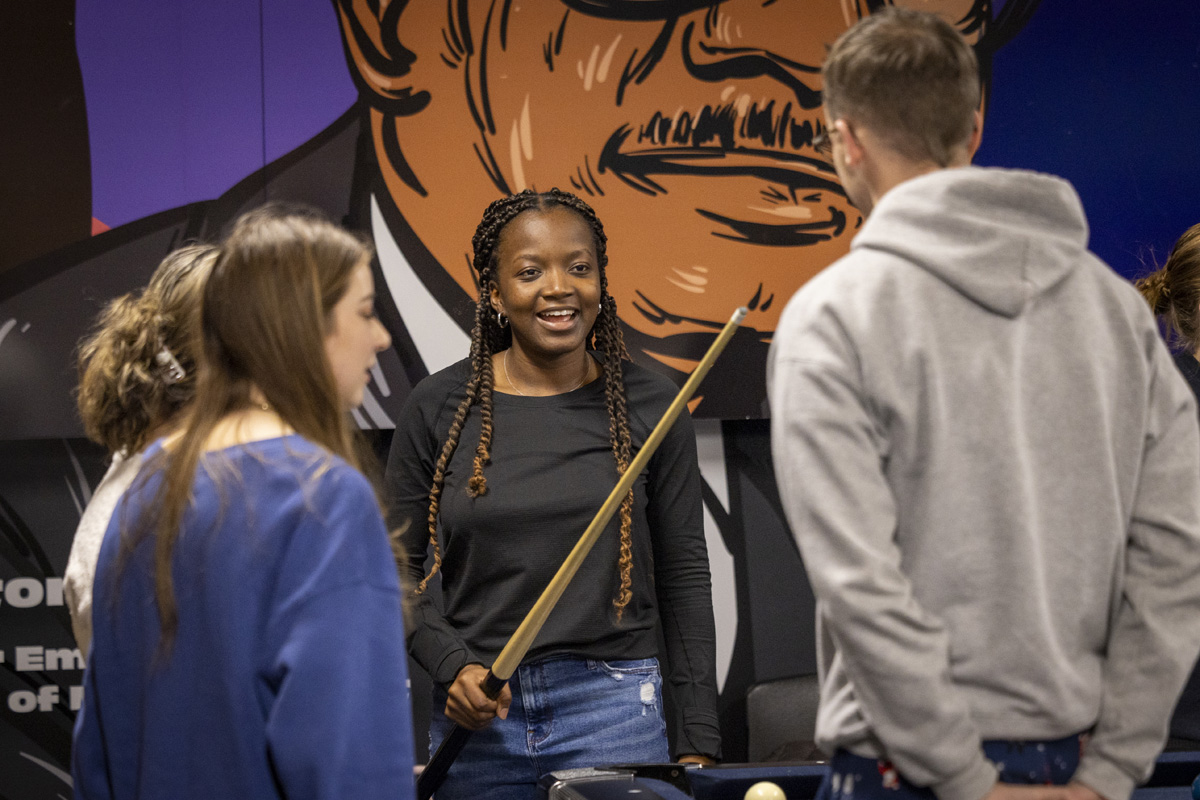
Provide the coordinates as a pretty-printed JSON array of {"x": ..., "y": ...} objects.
[
  {"x": 137, "y": 373},
  {"x": 248, "y": 636}
]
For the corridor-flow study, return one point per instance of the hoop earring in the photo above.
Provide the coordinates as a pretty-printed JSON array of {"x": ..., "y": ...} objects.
[{"x": 501, "y": 320}]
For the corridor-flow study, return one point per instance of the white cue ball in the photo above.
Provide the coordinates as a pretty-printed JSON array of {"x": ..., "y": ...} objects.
[{"x": 765, "y": 790}]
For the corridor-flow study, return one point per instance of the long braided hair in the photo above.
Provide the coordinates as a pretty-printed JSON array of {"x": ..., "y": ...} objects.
[{"x": 488, "y": 337}]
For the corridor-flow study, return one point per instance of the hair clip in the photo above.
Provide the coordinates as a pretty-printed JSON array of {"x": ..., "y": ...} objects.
[{"x": 173, "y": 371}]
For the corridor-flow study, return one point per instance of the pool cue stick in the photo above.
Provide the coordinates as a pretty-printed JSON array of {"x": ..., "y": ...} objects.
[{"x": 510, "y": 657}]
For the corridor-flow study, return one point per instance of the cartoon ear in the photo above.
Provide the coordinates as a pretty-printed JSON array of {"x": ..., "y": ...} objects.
[{"x": 378, "y": 63}]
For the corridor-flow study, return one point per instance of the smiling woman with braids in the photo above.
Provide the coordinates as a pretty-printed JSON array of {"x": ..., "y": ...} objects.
[{"x": 505, "y": 457}]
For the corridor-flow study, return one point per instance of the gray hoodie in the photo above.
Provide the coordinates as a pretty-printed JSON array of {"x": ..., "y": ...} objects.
[{"x": 992, "y": 470}]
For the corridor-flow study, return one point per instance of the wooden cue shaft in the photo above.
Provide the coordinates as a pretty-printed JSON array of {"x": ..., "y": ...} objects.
[{"x": 510, "y": 657}]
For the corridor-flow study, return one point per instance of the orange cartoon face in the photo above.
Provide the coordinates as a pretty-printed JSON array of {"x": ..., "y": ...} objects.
[{"x": 686, "y": 124}]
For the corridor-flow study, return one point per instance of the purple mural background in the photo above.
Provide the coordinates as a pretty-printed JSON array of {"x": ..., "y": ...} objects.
[
  {"x": 1104, "y": 94},
  {"x": 185, "y": 99}
]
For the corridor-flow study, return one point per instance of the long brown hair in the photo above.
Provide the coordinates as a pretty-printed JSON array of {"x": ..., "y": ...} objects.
[
  {"x": 137, "y": 369},
  {"x": 488, "y": 337},
  {"x": 1173, "y": 291},
  {"x": 265, "y": 312}
]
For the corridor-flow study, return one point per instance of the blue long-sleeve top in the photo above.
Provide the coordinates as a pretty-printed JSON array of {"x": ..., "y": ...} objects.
[{"x": 287, "y": 675}]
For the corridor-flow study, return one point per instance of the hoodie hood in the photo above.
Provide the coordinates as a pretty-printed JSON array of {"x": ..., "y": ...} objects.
[{"x": 999, "y": 237}]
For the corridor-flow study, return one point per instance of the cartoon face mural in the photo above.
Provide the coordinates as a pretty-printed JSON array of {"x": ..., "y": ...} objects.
[{"x": 687, "y": 125}]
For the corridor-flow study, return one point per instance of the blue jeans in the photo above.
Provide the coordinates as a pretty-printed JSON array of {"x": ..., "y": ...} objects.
[
  {"x": 566, "y": 713},
  {"x": 1035, "y": 762}
]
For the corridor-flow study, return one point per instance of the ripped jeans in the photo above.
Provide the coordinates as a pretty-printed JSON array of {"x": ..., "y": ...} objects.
[{"x": 566, "y": 713}]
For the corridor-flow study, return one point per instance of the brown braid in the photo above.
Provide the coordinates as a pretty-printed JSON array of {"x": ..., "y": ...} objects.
[
  {"x": 489, "y": 337},
  {"x": 439, "y": 478},
  {"x": 609, "y": 341}
]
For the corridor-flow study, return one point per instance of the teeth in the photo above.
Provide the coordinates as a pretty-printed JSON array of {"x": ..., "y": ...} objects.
[{"x": 557, "y": 313}]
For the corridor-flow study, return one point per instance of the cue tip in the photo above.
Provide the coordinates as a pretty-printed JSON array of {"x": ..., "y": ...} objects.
[{"x": 740, "y": 314}]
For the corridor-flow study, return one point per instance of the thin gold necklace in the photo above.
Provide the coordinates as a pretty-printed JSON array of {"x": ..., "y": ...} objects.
[{"x": 508, "y": 376}]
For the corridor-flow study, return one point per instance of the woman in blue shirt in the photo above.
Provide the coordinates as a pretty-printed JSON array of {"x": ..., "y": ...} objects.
[{"x": 248, "y": 637}]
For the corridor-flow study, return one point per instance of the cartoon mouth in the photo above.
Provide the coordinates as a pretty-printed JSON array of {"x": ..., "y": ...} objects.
[
  {"x": 638, "y": 166},
  {"x": 681, "y": 336},
  {"x": 659, "y": 315},
  {"x": 647, "y": 169}
]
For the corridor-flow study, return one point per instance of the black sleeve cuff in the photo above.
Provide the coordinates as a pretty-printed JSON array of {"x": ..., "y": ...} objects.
[{"x": 701, "y": 734}]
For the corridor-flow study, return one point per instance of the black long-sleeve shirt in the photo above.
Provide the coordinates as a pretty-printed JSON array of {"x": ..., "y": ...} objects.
[{"x": 551, "y": 469}]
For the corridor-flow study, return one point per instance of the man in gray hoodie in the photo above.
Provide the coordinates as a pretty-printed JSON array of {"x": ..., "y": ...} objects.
[{"x": 989, "y": 462}]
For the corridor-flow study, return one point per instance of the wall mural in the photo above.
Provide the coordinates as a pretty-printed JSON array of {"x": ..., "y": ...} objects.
[{"x": 687, "y": 124}]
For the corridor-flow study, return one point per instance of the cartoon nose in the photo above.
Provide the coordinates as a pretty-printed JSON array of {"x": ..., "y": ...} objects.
[{"x": 747, "y": 39}]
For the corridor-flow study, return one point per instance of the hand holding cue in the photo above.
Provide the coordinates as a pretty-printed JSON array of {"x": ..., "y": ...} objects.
[{"x": 510, "y": 657}]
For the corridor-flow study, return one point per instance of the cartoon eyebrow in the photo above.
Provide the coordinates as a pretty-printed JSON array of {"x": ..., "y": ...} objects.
[{"x": 644, "y": 10}]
